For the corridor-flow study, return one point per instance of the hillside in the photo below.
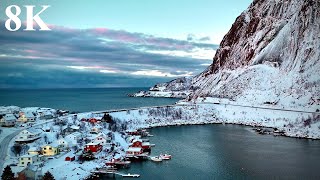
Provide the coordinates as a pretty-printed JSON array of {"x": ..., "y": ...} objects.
[{"x": 270, "y": 55}]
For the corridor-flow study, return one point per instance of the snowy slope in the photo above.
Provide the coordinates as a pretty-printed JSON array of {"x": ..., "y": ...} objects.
[{"x": 270, "y": 54}]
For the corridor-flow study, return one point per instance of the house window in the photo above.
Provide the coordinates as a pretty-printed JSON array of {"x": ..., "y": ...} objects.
[
  {"x": 22, "y": 162},
  {"x": 29, "y": 158},
  {"x": 50, "y": 148},
  {"x": 44, "y": 148}
]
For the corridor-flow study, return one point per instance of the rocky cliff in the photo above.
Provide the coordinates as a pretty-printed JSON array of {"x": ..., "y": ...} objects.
[{"x": 270, "y": 54}]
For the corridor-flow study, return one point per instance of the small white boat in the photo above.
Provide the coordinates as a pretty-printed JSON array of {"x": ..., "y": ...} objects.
[
  {"x": 165, "y": 156},
  {"x": 156, "y": 159},
  {"x": 131, "y": 175}
]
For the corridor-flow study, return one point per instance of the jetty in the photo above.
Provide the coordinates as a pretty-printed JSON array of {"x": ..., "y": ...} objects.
[{"x": 113, "y": 171}]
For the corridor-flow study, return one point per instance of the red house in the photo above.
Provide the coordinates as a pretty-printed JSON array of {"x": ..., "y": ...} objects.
[
  {"x": 136, "y": 143},
  {"x": 93, "y": 147},
  {"x": 70, "y": 158},
  {"x": 93, "y": 120},
  {"x": 133, "y": 151},
  {"x": 139, "y": 143}
]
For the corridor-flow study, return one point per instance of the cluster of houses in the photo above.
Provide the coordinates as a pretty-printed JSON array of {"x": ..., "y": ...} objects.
[
  {"x": 96, "y": 139},
  {"x": 13, "y": 116},
  {"x": 138, "y": 147}
]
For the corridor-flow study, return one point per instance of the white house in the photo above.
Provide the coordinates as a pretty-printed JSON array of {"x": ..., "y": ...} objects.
[
  {"x": 94, "y": 130},
  {"x": 8, "y": 120},
  {"x": 45, "y": 114},
  {"x": 102, "y": 139},
  {"x": 25, "y": 136},
  {"x": 30, "y": 117},
  {"x": 62, "y": 143},
  {"x": 73, "y": 138},
  {"x": 33, "y": 151},
  {"x": 26, "y": 160}
]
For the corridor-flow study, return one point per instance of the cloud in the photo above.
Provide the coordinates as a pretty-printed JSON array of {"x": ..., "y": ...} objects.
[
  {"x": 96, "y": 54},
  {"x": 158, "y": 73}
]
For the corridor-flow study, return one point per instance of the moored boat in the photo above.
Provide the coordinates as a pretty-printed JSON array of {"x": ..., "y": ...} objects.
[
  {"x": 131, "y": 175},
  {"x": 165, "y": 156},
  {"x": 156, "y": 159}
]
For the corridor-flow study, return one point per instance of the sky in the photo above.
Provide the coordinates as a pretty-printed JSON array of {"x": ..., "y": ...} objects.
[{"x": 113, "y": 43}]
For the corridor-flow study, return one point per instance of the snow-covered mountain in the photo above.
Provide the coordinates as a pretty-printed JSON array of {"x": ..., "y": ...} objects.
[{"x": 271, "y": 54}]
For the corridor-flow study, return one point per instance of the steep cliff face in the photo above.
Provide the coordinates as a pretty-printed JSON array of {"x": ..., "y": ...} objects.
[{"x": 270, "y": 54}]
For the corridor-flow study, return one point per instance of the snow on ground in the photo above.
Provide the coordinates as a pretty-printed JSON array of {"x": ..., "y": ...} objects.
[
  {"x": 202, "y": 111},
  {"x": 295, "y": 124}
]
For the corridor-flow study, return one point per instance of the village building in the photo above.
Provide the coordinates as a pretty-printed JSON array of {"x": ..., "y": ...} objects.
[
  {"x": 50, "y": 149},
  {"x": 28, "y": 159},
  {"x": 102, "y": 139},
  {"x": 70, "y": 158},
  {"x": 94, "y": 130},
  {"x": 27, "y": 136},
  {"x": 8, "y": 120},
  {"x": 73, "y": 138},
  {"x": 134, "y": 151},
  {"x": 93, "y": 147},
  {"x": 33, "y": 151},
  {"x": 32, "y": 172},
  {"x": 46, "y": 129},
  {"x": 70, "y": 129},
  {"x": 45, "y": 115},
  {"x": 62, "y": 143},
  {"x": 22, "y": 118},
  {"x": 26, "y": 117}
]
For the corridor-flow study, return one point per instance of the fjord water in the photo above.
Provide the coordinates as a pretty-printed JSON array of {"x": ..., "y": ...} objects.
[
  {"x": 228, "y": 152},
  {"x": 80, "y": 100}
]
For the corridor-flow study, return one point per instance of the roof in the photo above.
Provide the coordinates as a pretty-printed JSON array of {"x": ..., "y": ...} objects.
[
  {"x": 54, "y": 144},
  {"x": 76, "y": 134},
  {"x": 92, "y": 144},
  {"x": 29, "y": 115},
  {"x": 28, "y": 155},
  {"x": 75, "y": 127},
  {"x": 10, "y": 117},
  {"x": 33, "y": 149},
  {"x": 136, "y": 140},
  {"x": 134, "y": 149}
]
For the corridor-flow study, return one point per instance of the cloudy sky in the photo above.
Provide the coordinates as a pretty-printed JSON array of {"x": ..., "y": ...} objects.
[{"x": 114, "y": 43}]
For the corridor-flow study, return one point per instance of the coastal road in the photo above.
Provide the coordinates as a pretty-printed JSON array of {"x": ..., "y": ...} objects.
[
  {"x": 4, "y": 148},
  {"x": 261, "y": 107},
  {"x": 4, "y": 144}
]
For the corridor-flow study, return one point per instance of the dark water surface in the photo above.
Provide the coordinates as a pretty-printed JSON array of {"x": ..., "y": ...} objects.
[
  {"x": 229, "y": 152},
  {"x": 81, "y": 100}
]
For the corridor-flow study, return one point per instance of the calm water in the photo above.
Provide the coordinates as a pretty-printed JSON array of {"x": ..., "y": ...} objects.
[
  {"x": 81, "y": 100},
  {"x": 229, "y": 152}
]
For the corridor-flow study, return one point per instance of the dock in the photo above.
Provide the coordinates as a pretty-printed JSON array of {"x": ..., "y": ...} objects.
[{"x": 114, "y": 172}]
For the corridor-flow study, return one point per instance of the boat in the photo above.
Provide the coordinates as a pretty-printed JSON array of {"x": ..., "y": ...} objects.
[
  {"x": 131, "y": 175},
  {"x": 156, "y": 159},
  {"x": 165, "y": 156}
]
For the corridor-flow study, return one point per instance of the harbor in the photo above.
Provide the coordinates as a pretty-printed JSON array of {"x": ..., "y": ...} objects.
[{"x": 139, "y": 151}]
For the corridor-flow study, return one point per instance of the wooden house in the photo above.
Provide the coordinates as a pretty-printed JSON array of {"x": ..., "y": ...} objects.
[
  {"x": 8, "y": 120},
  {"x": 33, "y": 151},
  {"x": 26, "y": 136},
  {"x": 133, "y": 151},
  {"x": 28, "y": 159},
  {"x": 50, "y": 149},
  {"x": 93, "y": 147}
]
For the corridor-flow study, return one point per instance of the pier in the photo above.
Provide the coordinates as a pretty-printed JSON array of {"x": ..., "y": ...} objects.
[{"x": 113, "y": 172}]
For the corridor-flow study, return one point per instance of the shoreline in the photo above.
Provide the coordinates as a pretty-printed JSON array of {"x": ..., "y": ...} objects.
[{"x": 243, "y": 125}]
